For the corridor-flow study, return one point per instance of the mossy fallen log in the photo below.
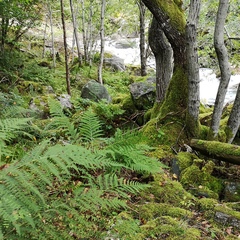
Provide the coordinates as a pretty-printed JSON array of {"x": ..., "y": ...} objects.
[{"x": 223, "y": 151}]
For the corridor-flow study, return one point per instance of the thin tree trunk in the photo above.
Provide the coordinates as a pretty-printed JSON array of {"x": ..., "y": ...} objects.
[
  {"x": 193, "y": 69},
  {"x": 142, "y": 10},
  {"x": 45, "y": 36},
  {"x": 84, "y": 30},
  {"x": 103, "y": 7},
  {"x": 90, "y": 35},
  {"x": 65, "y": 49},
  {"x": 224, "y": 65},
  {"x": 163, "y": 57},
  {"x": 52, "y": 35},
  {"x": 76, "y": 33},
  {"x": 234, "y": 118}
]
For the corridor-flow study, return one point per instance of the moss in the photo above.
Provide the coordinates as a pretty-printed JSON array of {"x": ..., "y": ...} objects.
[
  {"x": 150, "y": 131},
  {"x": 166, "y": 227},
  {"x": 151, "y": 211},
  {"x": 194, "y": 176},
  {"x": 203, "y": 132},
  {"x": 173, "y": 8},
  {"x": 176, "y": 98},
  {"x": 207, "y": 204},
  {"x": 126, "y": 103},
  {"x": 165, "y": 190},
  {"x": 185, "y": 159},
  {"x": 228, "y": 211},
  {"x": 161, "y": 152}
]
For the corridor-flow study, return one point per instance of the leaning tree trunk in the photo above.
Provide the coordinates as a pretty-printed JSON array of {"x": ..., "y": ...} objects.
[
  {"x": 52, "y": 35},
  {"x": 102, "y": 42},
  {"x": 142, "y": 10},
  {"x": 234, "y": 118},
  {"x": 65, "y": 49},
  {"x": 224, "y": 65},
  {"x": 163, "y": 58},
  {"x": 193, "y": 69},
  {"x": 170, "y": 17}
]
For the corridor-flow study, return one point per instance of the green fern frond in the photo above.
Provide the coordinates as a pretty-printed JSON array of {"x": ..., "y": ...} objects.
[
  {"x": 90, "y": 127},
  {"x": 60, "y": 121}
]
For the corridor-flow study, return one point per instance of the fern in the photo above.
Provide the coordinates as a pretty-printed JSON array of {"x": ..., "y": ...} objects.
[
  {"x": 10, "y": 128},
  {"x": 60, "y": 121},
  {"x": 90, "y": 127}
]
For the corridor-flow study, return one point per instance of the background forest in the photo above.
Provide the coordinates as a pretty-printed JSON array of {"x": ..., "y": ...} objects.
[{"x": 82, "y": 156}]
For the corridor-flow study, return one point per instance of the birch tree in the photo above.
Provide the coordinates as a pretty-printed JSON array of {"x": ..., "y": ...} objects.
[
  {"x": 103, "y": 7},
  {"x": 65, "y": 48}
]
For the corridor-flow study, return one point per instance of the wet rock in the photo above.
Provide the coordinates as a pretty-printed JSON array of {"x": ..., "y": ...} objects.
[
  {"x": 65, "y": 101},
  {"x": 143, "y": 95},
  {"x": 115, "y": 63},
  {"x": 226, "y": 219},
  {"x": 95, "y": 91},
  {"x": 232, "y": 192}
]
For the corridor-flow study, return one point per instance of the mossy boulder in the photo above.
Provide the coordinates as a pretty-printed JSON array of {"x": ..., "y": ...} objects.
[{"x": 185, "y": 160}]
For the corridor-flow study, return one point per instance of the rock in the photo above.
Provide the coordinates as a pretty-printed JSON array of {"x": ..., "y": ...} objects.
[
  {"x": 123, "y": 44},
  {"x": 115, "y": 63},
  {"x": 143, "y": 95},
  {"x": 65, "y": 101},
  {"x": 232, "y": 192},
  {"x": 226, "y": 219},
  {"x": 95, "y": 92}
]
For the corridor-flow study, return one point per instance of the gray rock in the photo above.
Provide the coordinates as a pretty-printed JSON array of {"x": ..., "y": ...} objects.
[
  {"x": 95, "y": 92},
  {"x": 123, "y": 44},
  {"x": 65, "y": 101},
  {"x": 143, "y": 95},
  {"x": 226, "y": 219},
  {"x": 116, "y": 63},
  {"x": 232, "y": 192}
]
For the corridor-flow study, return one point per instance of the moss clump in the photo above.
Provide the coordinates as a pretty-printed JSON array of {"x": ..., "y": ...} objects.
[
  {"x": 203, "y": 134},
  {"x": 166, "y": 227},
  {"x": 185, "y": 159},
  {"x": 161, "y": 152},
  {"x": 201, "y": 177},
  {"x": 126, "y": 103},
  {"x": 165, "y": 190},
  {"x": 174, "y": 10},
  {"x": 206, "y": 204},
  {"x": 151, "y": 211}
]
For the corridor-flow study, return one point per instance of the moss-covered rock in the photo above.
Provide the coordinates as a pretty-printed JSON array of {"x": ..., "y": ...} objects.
[{"x": 206, "y": 204}]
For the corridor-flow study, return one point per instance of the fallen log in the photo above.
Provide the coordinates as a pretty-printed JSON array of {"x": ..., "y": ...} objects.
[{"x": 222, "y": 151}]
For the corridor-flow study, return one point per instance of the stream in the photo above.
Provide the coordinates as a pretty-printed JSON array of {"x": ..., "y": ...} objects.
[{"x": 128, "y": 49}]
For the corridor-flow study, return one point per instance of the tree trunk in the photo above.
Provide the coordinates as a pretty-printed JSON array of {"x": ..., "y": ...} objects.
[
  {"x": 65, "y": 49},
  {"x": 224, "y": 65},
  {"x": 52, "y": 35},
  {"x": 102, "y": 42},
  {"x": 76, "y": 33},
  {"x": 142, "y": 10},
  {"x": 223, "y": 151},
  {"x": 163, "y": 57},
  {"x": 193, "y": 69},
  {"x": 234, "y": 118},
  {"x": 171, "y": 19}
]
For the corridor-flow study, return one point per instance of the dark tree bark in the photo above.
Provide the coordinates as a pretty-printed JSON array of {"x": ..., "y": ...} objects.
[
  {"x": 193, "y": 68},
  {"x": 142, "y": 10},
  {"x": 163, "y": 57},
  {"x": 234, "y": 118},
  {"x": 65, "y": 49},
  {"x": 224, "y": 65},
  {"x": 170, "y": 17}
]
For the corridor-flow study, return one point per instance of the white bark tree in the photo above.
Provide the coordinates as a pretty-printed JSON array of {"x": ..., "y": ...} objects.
[{"x": 103, "y": 7}]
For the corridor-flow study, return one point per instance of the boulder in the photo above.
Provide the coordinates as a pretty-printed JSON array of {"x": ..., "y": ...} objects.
[
  {"x": 232, "y": 191},
  {"x": 115, "y": 63},
  {"x": 143, "y": 95},
  {"x": 95, "y": 91},
  {"x": 65, "y": 101},
  {"x": 124, "y": 43}
]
